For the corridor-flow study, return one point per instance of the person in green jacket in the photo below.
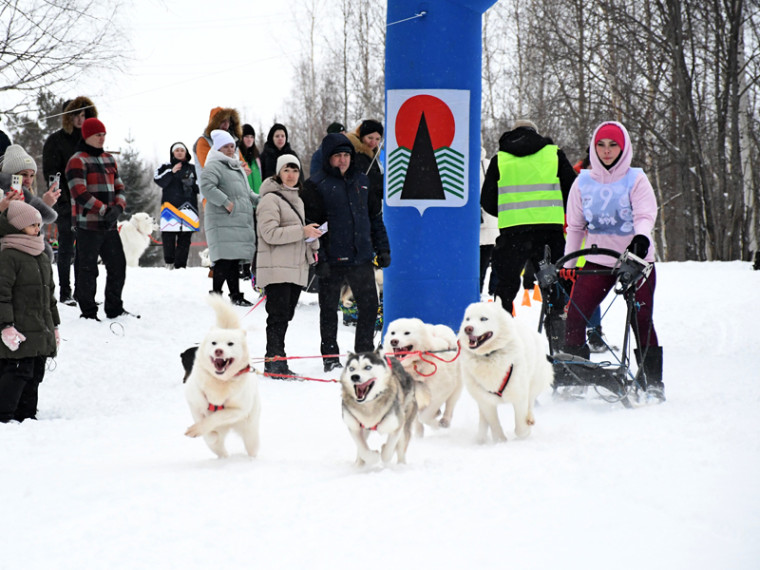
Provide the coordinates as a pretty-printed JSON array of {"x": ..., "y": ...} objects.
[
  {"x": 28, "y": 314},
  {"x": 250, "y": 153}
]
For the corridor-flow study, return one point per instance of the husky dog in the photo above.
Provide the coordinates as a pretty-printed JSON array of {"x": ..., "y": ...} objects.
[
  {"x": 503, "y": 360},
  {"x": 408, "y": 338},
  {"x": 135, "y": 236},
  {"x": 347, "y": 296},
  {"x": 221, "y": 391},
  {"x": 378, "y": 395}
]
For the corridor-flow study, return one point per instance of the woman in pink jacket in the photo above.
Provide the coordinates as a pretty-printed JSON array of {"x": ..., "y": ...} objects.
[{"x": 613, "y": 206}]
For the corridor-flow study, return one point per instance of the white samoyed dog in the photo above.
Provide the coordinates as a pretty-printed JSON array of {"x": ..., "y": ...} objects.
[
  {"x": 409, "y": 340},
  {"x": 135, "y": 236},
  {"x": 221, "y": 391},
  {"x": 503, "y": 361}
]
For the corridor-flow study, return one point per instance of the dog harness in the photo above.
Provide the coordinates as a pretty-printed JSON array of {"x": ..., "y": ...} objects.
[
  {"x": 214, "y": 407},
  {"x": 504, "y": 383}
]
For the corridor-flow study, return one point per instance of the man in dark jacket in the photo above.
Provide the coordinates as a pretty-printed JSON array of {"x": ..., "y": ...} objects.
[
  {"x": 97, "y": 200},
  {"x": 526, "y": 187},
  {"x": 58, "y": 149},
  {"x": 339, "y": 195}
]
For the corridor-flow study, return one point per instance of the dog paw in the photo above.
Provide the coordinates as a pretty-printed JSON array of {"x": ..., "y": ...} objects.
[
  {"x": 445, "y": 422},
  {"x": 193, "y": 431},
  {"x": 371, "y": 457}
]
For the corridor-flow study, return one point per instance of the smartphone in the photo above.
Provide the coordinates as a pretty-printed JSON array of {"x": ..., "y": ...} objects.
[
  {"x": 54, "y": 178},
  {"x": 16, "y": 182}
]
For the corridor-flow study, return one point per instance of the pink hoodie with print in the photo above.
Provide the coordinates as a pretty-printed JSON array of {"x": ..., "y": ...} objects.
[{"x": 643, "y": 206}]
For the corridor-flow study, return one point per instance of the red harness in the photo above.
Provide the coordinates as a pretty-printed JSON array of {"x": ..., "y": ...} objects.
[
  {"x": 215, "y": 408},
  {"x": 504, "y": 383}
]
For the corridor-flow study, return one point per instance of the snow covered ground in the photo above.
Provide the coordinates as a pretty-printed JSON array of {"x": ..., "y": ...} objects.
[{"x": 106, "y": 479}]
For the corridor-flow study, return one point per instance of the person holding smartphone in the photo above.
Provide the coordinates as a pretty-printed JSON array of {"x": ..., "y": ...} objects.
[{"x": 17, "y": 161}]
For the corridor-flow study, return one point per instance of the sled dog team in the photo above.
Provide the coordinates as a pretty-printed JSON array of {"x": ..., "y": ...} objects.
[{"x": 499, "y": 359}]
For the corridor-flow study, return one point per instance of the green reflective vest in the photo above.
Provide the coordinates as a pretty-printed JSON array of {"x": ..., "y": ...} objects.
[{"x": 529, "y": 191}]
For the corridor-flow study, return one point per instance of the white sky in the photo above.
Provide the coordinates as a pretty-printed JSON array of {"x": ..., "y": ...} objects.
[{"x": 190, "y": 56}]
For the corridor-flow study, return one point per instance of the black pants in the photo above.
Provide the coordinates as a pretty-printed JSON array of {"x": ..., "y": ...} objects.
[
  {"x": 282, "y": 299},
  {"x": 19, "y": 381},
  {"x": 361, "y": 279},
  {"x": 107, "y": 245},
  {"x": 66, "y": 238},
  {"x": 176, "y": 247},
  {"x": 511, "y": 253},
  {"x": 227, "y": 270}
]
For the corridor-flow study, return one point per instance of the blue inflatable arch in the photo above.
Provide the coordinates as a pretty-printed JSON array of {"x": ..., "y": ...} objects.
[{"x": 432, "y": 212}]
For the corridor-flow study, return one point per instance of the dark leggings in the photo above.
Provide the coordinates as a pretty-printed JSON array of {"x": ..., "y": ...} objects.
[
  {"x": 588, "y": 293},
  {"x": 227, "y": 270}
]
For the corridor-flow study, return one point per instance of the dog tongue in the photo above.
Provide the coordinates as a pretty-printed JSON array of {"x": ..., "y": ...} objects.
[
  {"x": 362, "y": 389},
  {"x": 220, "y": 364}
]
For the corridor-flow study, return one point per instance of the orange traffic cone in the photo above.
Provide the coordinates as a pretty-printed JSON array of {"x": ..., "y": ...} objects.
[
  {"x": 526, "y": 299},
  {"x": 537, "y": 293},
  {"x": 514, "y": 313}
]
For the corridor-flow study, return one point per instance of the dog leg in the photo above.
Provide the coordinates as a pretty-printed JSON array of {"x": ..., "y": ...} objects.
[
  {"x": 251, "y": 438},
  {"x": 419, "y": 429},
  {"x": 523, "y": 419},
  {"x": 450, "y": 403},
  {"x": 364, "y": 455},
  {"x": 389, "y": 447},
  {"x": 215, "y": 420},
  {"x": 215, "y": 442},
  {"x": 490, "y": 414}
]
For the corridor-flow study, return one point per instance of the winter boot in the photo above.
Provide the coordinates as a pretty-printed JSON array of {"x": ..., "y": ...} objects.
[
  {"x": 652, "y": 366},
  {"x": 555, "y": 331},
  {"x": 331, "y": 364},
  {"x": 239, "y": 300},
  {"x": 596, "y": 340},
  {"x": 583, "y": 351},
  {"x": 277, "y": 367}
]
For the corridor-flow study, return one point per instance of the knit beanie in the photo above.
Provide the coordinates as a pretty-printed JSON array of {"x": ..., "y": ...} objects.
[
  {"x": 286, "y": 159},
  {"x": 368, "y": 127},
  {"x": 21, "y": 215},
  {"x": 221, "y": 138},
  {"x": 248, "y": 130},
  {"x": 612, "y": 132},
  {"x": 335, "y": 128},
  {"x": 17, "y": 159},
  {"x": 524, "y": 123},
  {"x": 92, "y": 126}
]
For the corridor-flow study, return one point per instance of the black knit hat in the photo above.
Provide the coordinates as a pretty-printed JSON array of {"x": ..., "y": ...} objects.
[
  {"x": 369, "y": 126},
  {"x": 248, "y": 130},
  {"x": 335, "y": 128}
]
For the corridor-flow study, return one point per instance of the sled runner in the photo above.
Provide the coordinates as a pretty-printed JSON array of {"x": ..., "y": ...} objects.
[{"x": 613, "y": 378}]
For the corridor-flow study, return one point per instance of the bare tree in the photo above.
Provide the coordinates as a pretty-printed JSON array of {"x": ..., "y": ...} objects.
[{"x": 41, "y": 47}]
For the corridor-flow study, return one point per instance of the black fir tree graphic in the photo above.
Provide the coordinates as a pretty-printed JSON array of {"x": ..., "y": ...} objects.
[{"x": 423, "y": 181}]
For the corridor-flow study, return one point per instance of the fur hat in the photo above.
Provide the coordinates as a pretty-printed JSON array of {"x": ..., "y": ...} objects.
[
  {"x": 92, "y": 126},
  {"x": 286, "y": 159},
  {"x": 524, "y": 123},
  {"x": 21, "y": 215},
  {"x": 368, "y": 127},
  {"x": 612, "y": 132},
  {"x": 221, "y": 138},
  {"x": 73, "y": 108},
  {"x": 335, "y": 128},
  {"x": 218, "y": 115},
  {"x": 17, "y": 159}
]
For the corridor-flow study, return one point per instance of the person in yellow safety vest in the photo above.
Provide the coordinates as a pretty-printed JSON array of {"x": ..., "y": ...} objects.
[{"x": 526, "y": 188}]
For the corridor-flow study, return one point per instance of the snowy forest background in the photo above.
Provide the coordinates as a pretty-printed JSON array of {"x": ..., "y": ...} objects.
[{"x": 682, "y": 75}]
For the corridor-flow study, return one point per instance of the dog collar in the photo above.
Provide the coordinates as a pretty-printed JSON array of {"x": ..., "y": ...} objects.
[
  {"x": 213, "y": 408},
  {"x": 504, "y": 383},
  {"x": 244, "y": 370}
]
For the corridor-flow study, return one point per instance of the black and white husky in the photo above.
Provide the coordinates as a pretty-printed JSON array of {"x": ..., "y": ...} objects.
[{"x": 378, "y": 395}]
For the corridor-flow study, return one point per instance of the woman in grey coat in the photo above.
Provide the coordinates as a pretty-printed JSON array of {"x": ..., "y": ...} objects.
[
  {"x": 228, "y": 216},
  {"x": 286, "y": 249}
]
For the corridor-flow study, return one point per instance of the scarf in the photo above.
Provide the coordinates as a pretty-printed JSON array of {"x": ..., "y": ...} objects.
[{"x": 33, "y": 245}]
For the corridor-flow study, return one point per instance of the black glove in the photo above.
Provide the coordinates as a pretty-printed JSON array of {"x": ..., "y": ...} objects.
[
  {"x": 112, "y": 214},
  {"x": 639, "y": 246},
  {"x": 384, "y": 259},
  {"x": 323, "y": 270}
]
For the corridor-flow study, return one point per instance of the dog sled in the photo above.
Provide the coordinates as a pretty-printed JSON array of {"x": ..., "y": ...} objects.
[{"x": 613, "y": 378}]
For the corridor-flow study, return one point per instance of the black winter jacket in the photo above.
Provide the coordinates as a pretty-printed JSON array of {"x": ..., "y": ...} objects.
[
  {"x": 271, "y": 153},
  {"x": 523, "y": 141},
  {"x": 355, "y": 228},
  {"x": 179, "y": 187},
  {"x": 58, "y": 149}
]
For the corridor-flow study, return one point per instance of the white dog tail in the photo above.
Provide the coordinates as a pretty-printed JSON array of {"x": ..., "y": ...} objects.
[{"x": 226, "y": 317}]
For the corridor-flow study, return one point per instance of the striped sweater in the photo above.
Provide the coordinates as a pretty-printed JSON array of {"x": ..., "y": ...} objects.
[{"x": 94, "y": 184}]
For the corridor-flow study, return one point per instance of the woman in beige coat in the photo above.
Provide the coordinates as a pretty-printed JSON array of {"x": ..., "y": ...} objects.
[{"x": 286, "y": 248}]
